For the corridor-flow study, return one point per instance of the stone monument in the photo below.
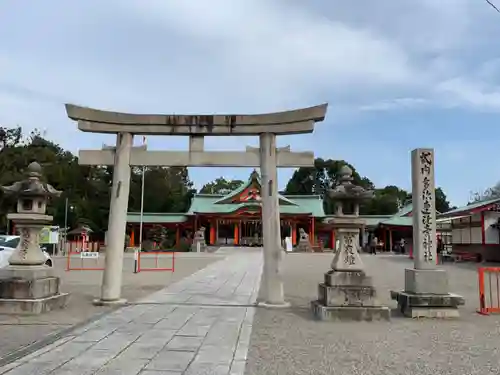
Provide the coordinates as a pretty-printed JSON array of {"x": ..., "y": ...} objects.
[
  {"x": 27, "y": 285},
  {"x": 348, "y": 293},
  {"x": 426, "y": 287},
  {"x": 304, "y": 244},
  {"x": 199, "y": 238}
]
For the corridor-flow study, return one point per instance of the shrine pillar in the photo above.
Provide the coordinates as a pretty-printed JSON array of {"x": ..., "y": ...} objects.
[
  {"x": 294, "y": 233},
  {"x": 131, "y": 242},
  {"x": 237, "y": 233},
  {"x": 212, "y": 233},
  {"x": 177, "y": 235},
  {"x": 311, "y": 231}
]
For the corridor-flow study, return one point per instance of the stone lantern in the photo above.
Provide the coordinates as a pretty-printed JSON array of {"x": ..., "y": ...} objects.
[
  {"x": 348, "y": 293},
  {"x": 27, "y": 285}
]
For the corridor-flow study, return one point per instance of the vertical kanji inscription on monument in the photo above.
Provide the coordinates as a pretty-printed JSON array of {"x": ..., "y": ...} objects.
[{"x": 424, "y": 208}]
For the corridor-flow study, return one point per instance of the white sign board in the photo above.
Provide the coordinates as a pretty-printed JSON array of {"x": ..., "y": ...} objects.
[
  {"x": 288, "y": 244},
  {"x": 49, "y": 235},
  {"x": 89, "y": 254}
]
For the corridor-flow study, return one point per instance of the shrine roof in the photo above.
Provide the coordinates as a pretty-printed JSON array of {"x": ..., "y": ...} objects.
[
  {"x": 156, "y": 217},
  {"x": 301, "y": 204},
  {"x": 471, "y": 208},
  {"x": 405, "y": 211},
  {"x": 247, "y": 195},
  {"x": 398, "y": 221}
]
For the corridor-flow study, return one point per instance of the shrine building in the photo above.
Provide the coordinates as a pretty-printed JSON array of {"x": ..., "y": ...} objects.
[
  {"x": 235, "y": 218},
  {"x": 475, "y": 230}
]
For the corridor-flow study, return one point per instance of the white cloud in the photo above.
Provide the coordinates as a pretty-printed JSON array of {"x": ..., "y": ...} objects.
[
  {"x": 461, "y": 91},
  {"x": 250, "y": 56}
]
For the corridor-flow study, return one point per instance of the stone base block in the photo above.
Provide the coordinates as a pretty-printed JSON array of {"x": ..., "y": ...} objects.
[
  {"x": 194, "y": 247},
  {"x": 33, "y": 306},
  {"x": 115, "y": 302},
  {"x": 426, "y": 281},
  {"x": 29, "y": 289},
  {"x": 347, "y": 295},
  {"x": 304, "y": 247},
  {"x": 267, "y": 305},
  {"x": 433, "y": 313},
  {"x": 428, "y": 305},
  {"x": 356, "y": 313},
  {"x": 341, "y": 278},
  {"x": 26, "y": 272}
]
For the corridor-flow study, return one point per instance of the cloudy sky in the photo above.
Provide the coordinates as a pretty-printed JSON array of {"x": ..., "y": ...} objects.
[{"x": 398, "y": 74}]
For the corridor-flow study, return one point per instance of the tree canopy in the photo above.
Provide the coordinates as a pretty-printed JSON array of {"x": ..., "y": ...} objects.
[
  {"x": 86, "y": 188},
  {"x": 325, "y": 175},
  {"x": 220, "y": 186}
]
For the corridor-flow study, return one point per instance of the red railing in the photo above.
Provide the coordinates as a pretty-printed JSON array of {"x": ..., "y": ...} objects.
[
  {"x": 489, "y": 290},
  {"x": 143, "y": 260},
  {"x": 85, "y": 261}
]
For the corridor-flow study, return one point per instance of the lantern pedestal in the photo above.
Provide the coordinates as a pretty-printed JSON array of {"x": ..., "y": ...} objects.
[{"x": 28, "y": 290}]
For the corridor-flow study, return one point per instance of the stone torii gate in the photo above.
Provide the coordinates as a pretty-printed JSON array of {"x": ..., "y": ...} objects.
[{"x": 267, "y": 157}]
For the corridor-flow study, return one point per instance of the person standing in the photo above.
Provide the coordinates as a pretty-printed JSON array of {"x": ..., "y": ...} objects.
[
  {"x": 402, "y": 244},
  {"x": 373, "y": 245}
]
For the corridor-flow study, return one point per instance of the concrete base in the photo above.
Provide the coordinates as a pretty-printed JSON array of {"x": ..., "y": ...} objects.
[
  {"x": 33, "y": 306},
  {"x": 349, "y": 313},
  {"x": 267, "y": 305},
  {"x": 26, "y": 272},
  {"x": 348, "y": 295},
  {"x": 426, "y": 281},
  {"x": 428, "y": 305},
  {"x": 304, "y": 247},
  {"x": 194, "y": 246},
  {"x": 117, "y": 302},
  {"x": 29, "y": 289}
]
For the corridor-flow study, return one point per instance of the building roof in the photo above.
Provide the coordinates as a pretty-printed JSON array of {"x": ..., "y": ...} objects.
[
  {"x": 156, "y": 217},
  {"x": 398, "y": 221},
  {"x": 471, "y": 208},
  {"x": 247, "y": 196}
]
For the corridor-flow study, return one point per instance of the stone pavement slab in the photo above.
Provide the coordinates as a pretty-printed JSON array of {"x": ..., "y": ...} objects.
[{"x": 199, "y": 325}]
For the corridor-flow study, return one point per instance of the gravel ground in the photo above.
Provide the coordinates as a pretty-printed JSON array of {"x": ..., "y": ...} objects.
[
  {"x": 290, "y": 342},
  {"x": 84, "y": 286}
]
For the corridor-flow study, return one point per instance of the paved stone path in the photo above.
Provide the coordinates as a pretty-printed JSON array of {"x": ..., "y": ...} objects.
[{"x": 199, "y": 325}]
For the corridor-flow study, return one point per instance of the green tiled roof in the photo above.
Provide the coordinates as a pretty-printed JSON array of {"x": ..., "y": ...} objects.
[
  {"x": 156, "y": 217},
  {"x": 254, "y": 178},
  {"x": 370, "y": 220},
  {"x": 301, "y": 204},
  {"x": 467, "y": 210},
  {"x": 406, "y": 210},
  {"x": 398, "y": 221},
  {"x": 374, "y": 220}
]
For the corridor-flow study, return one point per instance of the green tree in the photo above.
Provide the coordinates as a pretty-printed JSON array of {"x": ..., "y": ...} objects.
[
  {"x": 165, "y": 190},
  {"x": 220, "y": 186},
  {"x": 85, "y": 188},
  {"x": 321, "y": 178},
  {"x": 442, "y": 203},
  {"x": 386, "y": 201}
]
